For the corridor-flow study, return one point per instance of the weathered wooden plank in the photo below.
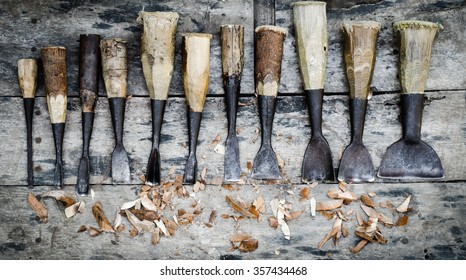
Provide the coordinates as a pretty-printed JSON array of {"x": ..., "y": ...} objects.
[
  {"x": 437, "y": 210},
  {"x": 30, "y": 26},
  {"x": 443, "y": 128}
]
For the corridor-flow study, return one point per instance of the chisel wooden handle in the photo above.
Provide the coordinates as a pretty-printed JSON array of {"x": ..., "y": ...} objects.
[
  {"x": 115, "y": 74},
  {"x": 56, "y": 89},
  {"x": 89, "y": 70},
  {"x": 268, "y": 61},
  {"x": 232, "y": 42},
  {"x": 157, "y": 57},
  {"x": 196, "y": 71},
  {"x": 359, "y": 55},
  {"x": 27, "y": 77}
]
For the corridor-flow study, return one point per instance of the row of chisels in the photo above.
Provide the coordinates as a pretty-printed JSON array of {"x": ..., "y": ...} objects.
[{"x": 408, "y": 158}]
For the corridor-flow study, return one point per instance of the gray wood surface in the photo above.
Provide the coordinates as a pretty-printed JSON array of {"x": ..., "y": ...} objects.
[{"x": 436, "y": 227}]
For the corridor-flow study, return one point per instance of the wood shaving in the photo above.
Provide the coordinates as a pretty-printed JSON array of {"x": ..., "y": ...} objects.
[
  {"x": 259, "y": 204},
  {"x": 249, "y": 166},
  {"x": 215, "y": 141},
  {"x": 313, "y": 207},
  {"x": 101, "y": 219},
  {"x": 402, "y": 221},
  {"x": 239, "y": 208},
  {"x": 61, "y": 196},
  {"x": 273, "y": 222},
  {"x": 249, "y": 245},
  {"x": 367, "y": 201},
  {"x": 304, "y": 194},
  {"x": 404, "y": 206},
  {"x": 238, "y": 237},
  {"x": 74, "y": 209},
  {"x": 335, "y": 229},
  {"x": 38, "y": 208},
  {"x": 358, "y": 247},
  {"x": 328, "y": 205}
]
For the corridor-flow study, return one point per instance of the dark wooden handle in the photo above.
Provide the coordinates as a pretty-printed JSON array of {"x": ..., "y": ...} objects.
[{"x": 89, "y": 69}]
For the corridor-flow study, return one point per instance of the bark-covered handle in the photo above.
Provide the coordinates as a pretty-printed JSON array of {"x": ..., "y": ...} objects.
[
  {"x": 417, "y": 38},
  {"x": 232, "y": 42},
  {"x": 158, "y": 51},
  {"x": 27, "y": 77},
  {"x": 114, "y": 66},
  {"x": 196, "y": 68},
  {"x": 268, "y": 59},
  {"x": 310, "y": 23},
  {"x": 89, "y": 69},
  {"x": 56, "y": 87},
  {"x": 359, "y": 55}
]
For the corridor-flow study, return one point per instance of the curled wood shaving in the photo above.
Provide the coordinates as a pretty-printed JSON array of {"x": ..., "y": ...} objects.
[
  {"x": 100, "y": 217},
  {"x": 238, "y": 208},
  {"x": 367, "y": 200},
  {"x": 61, "y": 196},
  {"x": 328, "y": 205},
  {"x": 38, "y": 208},
  {"x": 404, "y": 206},
  {"x": 249, "y": 245}
]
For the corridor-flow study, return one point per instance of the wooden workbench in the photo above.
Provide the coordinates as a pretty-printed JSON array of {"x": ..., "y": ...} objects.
[{"x": 436, "y": 227}]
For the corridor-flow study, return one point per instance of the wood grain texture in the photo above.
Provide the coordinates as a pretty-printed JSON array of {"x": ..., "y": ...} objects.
[
  {"x": 290, "y": 136},
  {"x": 196, "y": 69},
  {"x": 27, "y": 77},
  {"x": 158, "y": 51},
  {"x": 417, "y": 38},
  {"x": 232, "y": 45},
  {"x": 55, "y": 80},
  {"x": 310, "y": 24},
  {"x": 114, "y": 66},
  {"x": 437, "y": 210},
  {"x": 359, "y": 53}
]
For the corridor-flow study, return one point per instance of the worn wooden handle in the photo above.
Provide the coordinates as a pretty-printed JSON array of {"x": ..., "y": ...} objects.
[
  {"x": 359, "y": 55},
  {"x": 310, "y": 22},
  {"x": 56, "y": 87},
  {"x": 268, "y": 59},
  {"x": 114, "y": 66},
  {"x": 417, "y": 38},
  {"x": 232, "y": 42},
  {"x": 158, "y": 51},
  {"x": 196, "y": 68},
  {"x": 89, "y": 69},
  {"x": 27, "y": 77}
]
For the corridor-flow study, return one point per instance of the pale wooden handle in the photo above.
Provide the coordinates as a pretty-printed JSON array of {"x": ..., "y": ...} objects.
[
  {"x": 310, "y": 22},
  {"x": 359, "y": 54},
  {"x": 268, "y": 59},
  {"x": 196, "y": 69},
  {"x": 232, "y": 40},
  {"x": 56, "y": 87},
  {"x": 27, "y": 77},
  {"x": 417, "y": 38},
  {"x": 158, "y": 51},
  {"x": 114, "y": 66}
]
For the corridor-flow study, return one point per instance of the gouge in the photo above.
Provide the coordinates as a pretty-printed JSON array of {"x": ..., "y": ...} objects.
[
  {"x": 89, "y": 70},
  {"x": 27, "y": 77},
  {"x": 232, "y": 43},
  {"x": 359, "y": 56},
  {"x": 196, "y": 71},
  {"x": 56, "y": 89},
  {"x": 115, "y": 73},
  {"x": 310, "y": 22},
  {"x": 410, "y": 157},
  {"x": 268, "y": 60},
  {"x": 157, "y": 57}
]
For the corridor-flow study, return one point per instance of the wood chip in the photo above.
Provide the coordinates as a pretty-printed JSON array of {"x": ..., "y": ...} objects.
[
  {"x": 335, "y": 229},
  {"x": 294, "y": 215},
  {"x": 259, "y": 204},
  {"x": 74, "y": 209},
  {"x": 360, "y": 245},
  {"x": 404, "y": 206},
  {"x": 328, "y": 205},
  {"x": 129, "y": 204},
  {"x": 238, "y": 208},
  {"x": 273, "y": 222},
  {"x": 215, "y": 141},
  {"x": 304, "y": 194},
  {"x": 343, "y": 186},
  {"x": 313, "y": 207},
  {"x": 249, "y": 166},
  {"x": 198, "y": 186},
  {"x": 238, "y": 237},
  {"x": 148, "y": 204},
  {"x": 367, "y": 200},
  {"x": 61, "y": 196},
  {"x": 229, "y": 187},
  {"x": 38, "y": 208},
  {"x": 82, "y": 228},
  {"x": 155, "y": 236},
  {"x": 334, "y": 193},
  {"x": 162, "y": 227},
  {"x": 249, "y": 245},
  {"x": 359, "y": 218},
  {"x": 285, "y": 229},
  {"x": 402, "y": 221},
  {"x": 101, "y": 219},
  {"x": 94, "y": 231}
]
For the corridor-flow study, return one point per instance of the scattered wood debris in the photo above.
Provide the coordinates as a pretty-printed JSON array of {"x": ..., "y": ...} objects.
[
  {"x": 279, "y": 211},
  {"x": 37, "y": 207},
  {"x": 249, "y": 166},
  {"x": 336, "y": 228},
  {"x": 304, "y": 193},
  {"x": 404, "y": 206},
  {"x": 239, "y": 208},
  {"x": 101, "y": 219},
  {"x": 74, "y": 209},
  {"x": 61, "y": 196},
  {"x": 246, "y": 243},
  {"x": 328, "y": 204},
  {"x": 367, "y": 200}
]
